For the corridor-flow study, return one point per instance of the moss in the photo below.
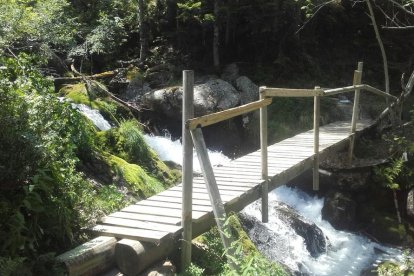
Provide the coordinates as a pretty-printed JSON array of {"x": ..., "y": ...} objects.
[
  {"x": 240, "y": 235},
  {"x": 135, "y": 177},
  {"x": 134, "y": 73},
  {"x": 110, "y": 109},
  {"x": 128, "y": 143}
]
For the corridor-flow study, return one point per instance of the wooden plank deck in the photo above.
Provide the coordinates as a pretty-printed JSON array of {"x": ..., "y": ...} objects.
[{"x": 159, "y": 217}]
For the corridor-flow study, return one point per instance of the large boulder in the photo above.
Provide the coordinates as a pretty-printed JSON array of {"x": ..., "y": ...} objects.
[
  {"x": 340, "y": 210},
  {"x": 315, "y": 240},
  {"x": 249, "y": 91},
  {"x": 214, "y": 95}
]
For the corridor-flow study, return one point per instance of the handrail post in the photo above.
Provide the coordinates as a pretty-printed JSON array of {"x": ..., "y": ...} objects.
[
  {"x": 316, "y": 119},
  {"x": 355, "y": 111},
  {"x": 263, "y": 148},
  {"x": 187, "y": 169}
]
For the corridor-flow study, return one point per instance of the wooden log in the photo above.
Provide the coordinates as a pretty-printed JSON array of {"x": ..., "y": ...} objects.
[
  {"x": 90, "y": 258},
  {"x": 133, "y": 257},
  {"x": 264, "y": 166},
  {"x": 217, "y": 117},
  {"x": 69, "y": 80},
  {"x": 316, "y": 119},
  {"x": 187, "y": 169},
  {"x": 288, "y": 92},
  {"x": 355, "y": 111}
]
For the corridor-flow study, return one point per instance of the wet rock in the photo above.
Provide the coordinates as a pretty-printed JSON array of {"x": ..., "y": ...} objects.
[
  {"x": 214, "y": 95},
  {"x": 264, "y": 239},
  {"x": 249, "y": 91},
  {"x": 340, "y": 210},
  {"x": 315, "y": 240},
  {"x": 410, "y": 204}
]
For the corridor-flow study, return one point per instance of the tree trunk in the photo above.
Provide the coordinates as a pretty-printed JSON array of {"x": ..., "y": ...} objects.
[
  {"x": 143, "y": 34},
  {"x": 216, "y": 54},
  {"x": 394, "y": 193},
  {"x": 381, "y": 45}
]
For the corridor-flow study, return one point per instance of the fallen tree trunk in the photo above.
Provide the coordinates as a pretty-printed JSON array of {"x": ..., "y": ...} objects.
[{"x": 69, "y": 80}]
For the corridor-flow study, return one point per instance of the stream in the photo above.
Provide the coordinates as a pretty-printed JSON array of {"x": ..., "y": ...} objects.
[{"x": 346, "y": 254}]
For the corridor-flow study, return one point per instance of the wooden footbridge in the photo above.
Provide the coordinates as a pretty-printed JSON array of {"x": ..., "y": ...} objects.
[{"x": 152, "y": 228}]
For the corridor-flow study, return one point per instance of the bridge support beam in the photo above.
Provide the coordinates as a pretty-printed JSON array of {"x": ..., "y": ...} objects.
[
  {"x": 263, "y": 149},
  {"x": 187, "y": 169},
  {"x": 316, "y": 120}
]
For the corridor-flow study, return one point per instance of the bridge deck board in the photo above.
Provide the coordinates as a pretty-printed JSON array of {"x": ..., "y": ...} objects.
[{"x": 159, "y": 216}]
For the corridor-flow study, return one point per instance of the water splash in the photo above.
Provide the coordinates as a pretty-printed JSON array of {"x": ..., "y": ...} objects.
[
  {"x": 172, "y": 150},
  {"x": 348, "y": 254},
  {"x": 93, "y": 115}
]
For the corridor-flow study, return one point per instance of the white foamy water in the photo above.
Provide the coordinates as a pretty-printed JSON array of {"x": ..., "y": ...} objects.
[
  {"x": 93, "y": 115},
  {"x": 348, "y": 253},
  {"x": 169, "y": 150}
]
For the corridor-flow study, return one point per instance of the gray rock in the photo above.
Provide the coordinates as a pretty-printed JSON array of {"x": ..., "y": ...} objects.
[
  {"x": 248, "y": 90},
  {"x": 340, "y": 210},
  {"x": 315, "y": 240},
  {"x": 230, "y": 73},
  {"x": 214, "y": 95},
  {"x": 410, "y": 204}
]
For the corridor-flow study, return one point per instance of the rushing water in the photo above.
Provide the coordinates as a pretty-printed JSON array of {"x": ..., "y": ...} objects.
[
  {"x": 348, "y": 253},
  {"x": 93, "y": 115},
  {"x": 169, "y": 150},
  {"x": 164, "y": 146}
]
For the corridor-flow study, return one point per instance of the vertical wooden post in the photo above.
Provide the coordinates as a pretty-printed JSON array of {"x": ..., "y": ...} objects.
[
  {"x": 263, "y": 148},
  {"x": 355, "y": 111},
  {"x": 187, "y": 169},
  {"x": 316, "y": 119},
  {"x": 213, "y": 192}
]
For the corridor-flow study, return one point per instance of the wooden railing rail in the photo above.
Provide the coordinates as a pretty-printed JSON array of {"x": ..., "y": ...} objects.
[{"x": 220, "y": 116}]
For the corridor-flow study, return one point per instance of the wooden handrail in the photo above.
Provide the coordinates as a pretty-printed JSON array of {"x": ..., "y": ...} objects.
[
  {"x": 214, "y": 118},
  {"x": 288, "y": 92},
  {"x": 366, "y": 87}
]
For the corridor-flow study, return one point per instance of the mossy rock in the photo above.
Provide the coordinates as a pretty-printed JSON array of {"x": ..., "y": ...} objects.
[
  {"x": 128, "y": 143},
  {"x": 110, "y": 109},
  {"x": 134, "y": 74},
  {"x": 137, "y": 180}
]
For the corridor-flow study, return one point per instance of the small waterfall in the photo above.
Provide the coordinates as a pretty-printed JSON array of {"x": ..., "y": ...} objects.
[
  {"x": 169, "y": 150},
  {"x": 347, "y": 254},
  {"x": 93, "y": 115}
]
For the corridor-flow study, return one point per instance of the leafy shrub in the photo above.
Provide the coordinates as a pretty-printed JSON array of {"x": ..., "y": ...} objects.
[{"x": 45, "y": 203}]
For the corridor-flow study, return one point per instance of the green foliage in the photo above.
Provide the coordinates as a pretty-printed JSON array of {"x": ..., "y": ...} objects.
[
  {"x": 24, "y": 21},
  {"x": 390, "y": 173},
  {"x": 405, "y": 268},
  {"x": 109, "y": 199},
  {"x": 398, "y": 174},
  {"x": 105, "y": 38},
  {"x": 193, "y": 10},
  {"x": 193, "y": 270},
  {"x": 45, "y": 203}
]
